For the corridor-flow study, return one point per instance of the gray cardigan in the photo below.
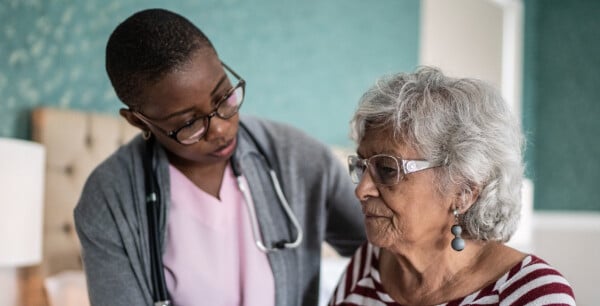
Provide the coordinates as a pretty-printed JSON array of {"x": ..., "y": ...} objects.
[{"x": 110, "y": 216}]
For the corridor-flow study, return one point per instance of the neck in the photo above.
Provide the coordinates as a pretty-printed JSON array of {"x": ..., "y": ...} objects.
[
  {"x": 207, "y": 177},
  {"x": 420, "y": 276}
]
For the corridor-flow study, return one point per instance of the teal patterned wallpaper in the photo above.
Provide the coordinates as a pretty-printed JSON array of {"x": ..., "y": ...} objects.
[
  {"x": 50, "y": 54},
  {"x": 306, "y": 62}
]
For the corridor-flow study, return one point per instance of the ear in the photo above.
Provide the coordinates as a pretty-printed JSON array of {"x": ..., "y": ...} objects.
[
  {"x": 466, "y": 197},
  {"x": 133, "y": 119}
]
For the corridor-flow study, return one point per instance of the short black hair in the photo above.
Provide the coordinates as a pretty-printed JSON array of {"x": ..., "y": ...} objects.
[{"x": 147, "y": 46}]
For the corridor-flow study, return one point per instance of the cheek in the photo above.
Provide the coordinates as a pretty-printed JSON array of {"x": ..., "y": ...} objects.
[
  {"x": 393, "y": 224},
  {"x": 399, "y": 206},
  {"x": 381, "y": 231},
  {"x": 414, "y": 215},
  {"x": 234, "y": 124}
]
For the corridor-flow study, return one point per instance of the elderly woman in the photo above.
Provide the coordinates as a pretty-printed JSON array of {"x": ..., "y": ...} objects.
[{"x": 439, "y": 175}]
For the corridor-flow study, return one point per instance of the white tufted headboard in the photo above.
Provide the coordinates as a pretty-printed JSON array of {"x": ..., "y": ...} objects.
[{"x": 75, "y": 143}]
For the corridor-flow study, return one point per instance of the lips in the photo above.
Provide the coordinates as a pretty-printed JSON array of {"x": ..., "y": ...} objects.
[
  {"x": 369, "y": 212},
  {"x": 225, "y": 150},
  {"x": 369, "y": 215}
]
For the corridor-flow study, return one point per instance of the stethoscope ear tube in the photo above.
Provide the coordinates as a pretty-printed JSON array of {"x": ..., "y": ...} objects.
[
  {"x": 288, "y": 210},
  {"x": 254, "y": 219},
  {"x": 161, "y": 296},
  {"x": 258, "y": 239}
]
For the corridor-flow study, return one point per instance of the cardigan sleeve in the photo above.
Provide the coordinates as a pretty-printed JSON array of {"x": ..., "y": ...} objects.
[{"x": 107, "y": 224}]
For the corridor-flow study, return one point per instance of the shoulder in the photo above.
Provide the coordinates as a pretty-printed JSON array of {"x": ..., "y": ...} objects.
[
  {"x": 270, "y": 131},
  {"x": 108, "y": 180},
  {"x": 534, "y": 281},
  {"x": 289, "y": 146},
  {"x": 120, "y": 165},
  {"x": 360, "y": 281},
  {"x": 364, "y": 260}
]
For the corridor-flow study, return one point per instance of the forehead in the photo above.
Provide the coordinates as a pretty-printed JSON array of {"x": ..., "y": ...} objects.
[
  {"x": 196, "y": 81},
  {"x": 382, "y": 141}
]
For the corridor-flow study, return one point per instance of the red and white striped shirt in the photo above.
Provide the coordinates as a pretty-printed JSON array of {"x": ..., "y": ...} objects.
[{"x": 530, "y": 282}]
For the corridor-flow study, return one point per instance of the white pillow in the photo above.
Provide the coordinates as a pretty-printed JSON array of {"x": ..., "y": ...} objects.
[{"x": 67, "y": 288}]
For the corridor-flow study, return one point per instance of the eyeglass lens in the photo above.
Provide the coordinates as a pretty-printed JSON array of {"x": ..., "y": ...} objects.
[
  {"x": 231, "y": 103},
  {"x": 226, "y": 109},
  {"x": 383, "y": 169}
]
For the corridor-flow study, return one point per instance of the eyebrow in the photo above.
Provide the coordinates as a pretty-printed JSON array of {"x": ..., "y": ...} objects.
[
  {"x": 358, "y": 154},
  {"x": 378, "y": 152},
  {"x": 189, "y": 109},
  {"x": 223, "y": 78}
]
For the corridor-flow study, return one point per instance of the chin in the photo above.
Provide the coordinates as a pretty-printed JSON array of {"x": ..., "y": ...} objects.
[{"x": 378, "y": 238}]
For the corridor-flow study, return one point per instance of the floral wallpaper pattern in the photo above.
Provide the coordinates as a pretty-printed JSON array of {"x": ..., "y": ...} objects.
[
  {"x": 303, "y": 60},
  {"x": 50, "y": 54}
]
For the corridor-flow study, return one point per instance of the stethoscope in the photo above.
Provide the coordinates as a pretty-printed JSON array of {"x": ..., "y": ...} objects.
[{"x": 153, "y": 202}]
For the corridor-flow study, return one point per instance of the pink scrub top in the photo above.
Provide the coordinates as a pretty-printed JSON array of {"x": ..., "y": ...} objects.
[{"x": 211, "y": 257}]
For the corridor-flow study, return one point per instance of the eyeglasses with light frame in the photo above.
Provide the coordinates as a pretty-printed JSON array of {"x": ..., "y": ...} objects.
[{"x": 385, "y": 170}]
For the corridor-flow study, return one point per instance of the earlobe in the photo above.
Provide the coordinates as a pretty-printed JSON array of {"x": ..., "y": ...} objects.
[{"x": 132, "y": 119}]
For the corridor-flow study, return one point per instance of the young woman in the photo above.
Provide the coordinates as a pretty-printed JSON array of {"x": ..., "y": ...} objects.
[{"x": 207, "y": 207}]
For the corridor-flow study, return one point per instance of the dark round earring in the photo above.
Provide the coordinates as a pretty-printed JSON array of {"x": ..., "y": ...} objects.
[{"x": 458, "y": 244}]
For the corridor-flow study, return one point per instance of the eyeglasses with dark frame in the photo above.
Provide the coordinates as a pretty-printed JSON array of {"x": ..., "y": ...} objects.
[
  {"x": 193, "y": 130},
  {"x": 385, "y": 170}
]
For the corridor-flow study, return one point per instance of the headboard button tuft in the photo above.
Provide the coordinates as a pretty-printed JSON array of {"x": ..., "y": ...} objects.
[
  {"x": 88, "y": 140},
  {"x": 69, "y": 170},
  {"x": 67, "y": 228}
]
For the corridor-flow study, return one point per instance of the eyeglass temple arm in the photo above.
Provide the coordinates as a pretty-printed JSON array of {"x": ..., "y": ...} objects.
[
  {"x": 410, "y": 166},
  {"x": 147, "y": 121},
  {"x": 232, "y": 72}
]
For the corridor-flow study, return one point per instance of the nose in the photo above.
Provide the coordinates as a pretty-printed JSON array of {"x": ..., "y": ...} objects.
[
  {"x": 216, "y": 127},
  {"x": 366, "y": 188}
]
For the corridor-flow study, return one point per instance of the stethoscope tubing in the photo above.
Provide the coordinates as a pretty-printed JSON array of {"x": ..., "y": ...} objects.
[
  {"x": 288, "y": 210},
  {"x": 153, "y": 203},
  {"x": 258, "y": 239},
  {"x": 161, "y": 295}
]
